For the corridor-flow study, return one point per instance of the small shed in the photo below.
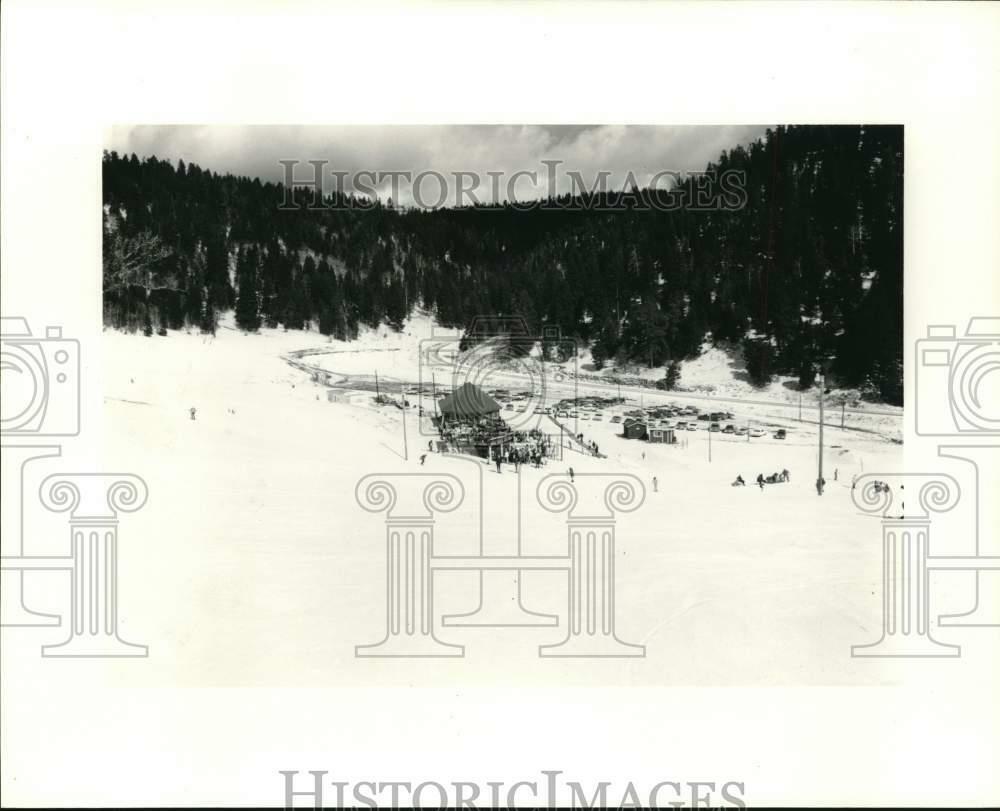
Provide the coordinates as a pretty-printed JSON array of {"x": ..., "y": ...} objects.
[
  {"x": 658, "y": 432},
  {"x": 634, "y": 429}
]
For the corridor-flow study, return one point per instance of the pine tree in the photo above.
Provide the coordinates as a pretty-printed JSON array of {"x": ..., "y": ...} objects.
[
  {"x": 247, "y": 308},
  {"x": 757, "y": 354},
  {"x": 207, "y": 321},
  {"x": 598, "y": 355},
  {"x": 672, "y": 376}
]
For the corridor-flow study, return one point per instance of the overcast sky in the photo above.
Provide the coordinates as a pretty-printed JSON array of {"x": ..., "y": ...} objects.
[{"x": 256, "y": 151}]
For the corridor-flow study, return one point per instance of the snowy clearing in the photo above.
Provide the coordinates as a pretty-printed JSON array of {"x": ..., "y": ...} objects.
[{"x": 275, "y": 573}]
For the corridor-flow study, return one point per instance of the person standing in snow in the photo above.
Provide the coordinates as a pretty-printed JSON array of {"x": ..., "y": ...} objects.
[
  {"x": 656, "y": 485},
  {"x": 571, "y": 474},
  {"x": 193, "y": 411},
  {"x": 423, "y": 458}
]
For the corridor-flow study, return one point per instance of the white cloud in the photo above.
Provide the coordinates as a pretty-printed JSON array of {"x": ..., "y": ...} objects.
[{"x": 643, "y": 151}]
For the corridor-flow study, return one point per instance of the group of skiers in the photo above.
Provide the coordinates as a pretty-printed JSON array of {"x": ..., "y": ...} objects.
[
  {"x": 774, "y": 478},
  {"x": 518, "y": 457},
  {"x": 785, "y": 476}
]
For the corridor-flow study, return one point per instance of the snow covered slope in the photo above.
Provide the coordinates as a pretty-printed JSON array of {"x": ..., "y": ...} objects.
[{"x": 257, "y": 566}]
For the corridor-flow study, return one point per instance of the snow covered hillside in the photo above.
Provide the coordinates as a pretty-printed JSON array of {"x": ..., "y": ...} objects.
[{"x": 257, "y": 566}]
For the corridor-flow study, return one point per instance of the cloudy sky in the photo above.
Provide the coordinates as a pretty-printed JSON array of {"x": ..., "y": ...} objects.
[{"x": 625, "y": 152}]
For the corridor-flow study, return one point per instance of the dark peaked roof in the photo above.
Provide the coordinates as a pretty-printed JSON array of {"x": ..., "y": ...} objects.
[{"x": 468, "y": 400}]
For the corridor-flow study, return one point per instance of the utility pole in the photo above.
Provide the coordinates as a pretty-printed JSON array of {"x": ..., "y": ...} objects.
[
  {"x": 800, "y": 406},
  {"x": 822, "y": 389},
  {"x": 406, "y": 447},
  {"x": 434, "y": 394},
  {"x": 843, "y": 408},
  {"x": 377, "y": 394},
  {"x": 710, "y": 442}
]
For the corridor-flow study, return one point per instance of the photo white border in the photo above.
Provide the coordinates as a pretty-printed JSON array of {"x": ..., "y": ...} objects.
[{"x": 71, "y": 70}]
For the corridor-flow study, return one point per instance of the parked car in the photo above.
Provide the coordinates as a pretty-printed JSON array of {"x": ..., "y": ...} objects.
[
  {"x": 682, "y": 425},
  {"x": 758, "y": 432},
  {"x": 742, "y": 431},
  {"x": 729, "y": 429},
  {"x": 508, "y": 407},
  {"x": 616, "y": 418},
  {"x": 714, "y": 427},
  {"x": 563, "y": 415},
  {"x": 780, "y": 434},
  {"x": 704, "y": 417},
  {"x": 692, "y": 426}
]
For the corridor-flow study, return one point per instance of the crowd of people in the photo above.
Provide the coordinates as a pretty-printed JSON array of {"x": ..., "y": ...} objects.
[
  {"x": 460, "y": 434},
  {"x": 491, "y": 438},
  {"x": 531, "y": 448}
]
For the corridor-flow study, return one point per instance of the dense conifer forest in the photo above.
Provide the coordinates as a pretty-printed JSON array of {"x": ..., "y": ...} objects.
[{"x": 808, "y": 271}]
